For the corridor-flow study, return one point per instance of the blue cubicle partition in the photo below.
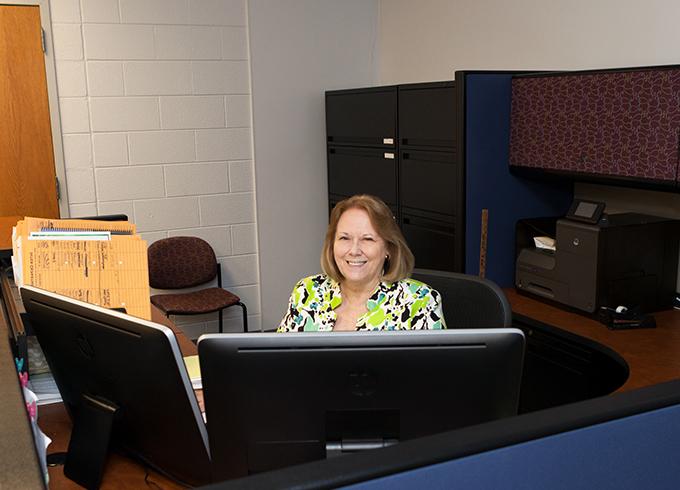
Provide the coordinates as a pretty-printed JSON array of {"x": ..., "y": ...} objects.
[
  {"x": 489, "y": 183},
  {"x": 623, "y": 441},
  {"x": 641, "y": 451}
]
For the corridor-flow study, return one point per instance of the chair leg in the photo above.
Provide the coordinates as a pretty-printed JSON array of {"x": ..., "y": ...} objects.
[
  {"x": 245, "y": 316},
  {"x": 220, "y": 322}
]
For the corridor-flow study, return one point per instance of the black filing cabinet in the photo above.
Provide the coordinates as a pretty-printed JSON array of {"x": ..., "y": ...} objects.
[
  {"x": 355, "y": 170},
  {"x": 427, "y": 115},
  {"x": 399, "y": 143},
  {"x": 361, "y": 129},
  {"x": 362, "y": 117}
]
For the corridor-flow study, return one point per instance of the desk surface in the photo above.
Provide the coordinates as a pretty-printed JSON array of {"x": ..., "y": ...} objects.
[{"x": 652, "y": 354}]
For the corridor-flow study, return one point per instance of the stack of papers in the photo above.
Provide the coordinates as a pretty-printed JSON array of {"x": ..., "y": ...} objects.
[
  {"x": 194, "y": 370},
  {"x": 99, "y": 262},
  {"x": 45, "y": 388},
  {"x": 545, "y": 243}
]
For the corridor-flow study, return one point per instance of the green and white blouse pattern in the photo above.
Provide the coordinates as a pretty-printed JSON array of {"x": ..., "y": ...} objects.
[{"x": 403, "y": 305}]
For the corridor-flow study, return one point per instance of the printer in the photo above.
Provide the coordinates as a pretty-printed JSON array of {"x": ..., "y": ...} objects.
[{"x": 619, "y": 259}]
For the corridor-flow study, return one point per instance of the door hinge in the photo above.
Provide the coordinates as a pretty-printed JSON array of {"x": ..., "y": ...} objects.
[
  {"x": 42, "y": 40},
  {"x": 58, "y": 189}
]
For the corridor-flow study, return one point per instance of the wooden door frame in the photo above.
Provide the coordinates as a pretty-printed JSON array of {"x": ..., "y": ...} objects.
[{"x": 53, "y": 98}]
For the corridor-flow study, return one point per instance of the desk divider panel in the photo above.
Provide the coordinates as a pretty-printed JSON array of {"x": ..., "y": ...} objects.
[
  {"x": 640, "y": 451},
  {"x": 489, "y": 183}
]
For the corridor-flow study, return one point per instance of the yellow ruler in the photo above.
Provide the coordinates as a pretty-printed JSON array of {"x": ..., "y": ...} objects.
[{"x": 482, "y": 242}]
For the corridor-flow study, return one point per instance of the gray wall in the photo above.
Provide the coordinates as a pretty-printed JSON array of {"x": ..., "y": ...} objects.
[{"x": 299, "y": 49}]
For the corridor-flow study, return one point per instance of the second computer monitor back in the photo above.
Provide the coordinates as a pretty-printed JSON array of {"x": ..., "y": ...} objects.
[{"x": 275, "y": 400}]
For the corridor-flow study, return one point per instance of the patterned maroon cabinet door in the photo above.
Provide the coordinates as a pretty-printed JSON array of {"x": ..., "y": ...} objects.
[{"x": 620, "y": 124}]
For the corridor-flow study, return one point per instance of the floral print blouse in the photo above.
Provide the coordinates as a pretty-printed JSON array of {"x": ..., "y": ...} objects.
[{"x": 403, "y": 305}]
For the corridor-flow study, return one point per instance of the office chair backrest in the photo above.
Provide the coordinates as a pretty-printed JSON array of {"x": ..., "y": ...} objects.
[
  {"x": 107, "y": 217},
  {"x": 181, "y": 262},
  {"x": 468, "y": 301}
]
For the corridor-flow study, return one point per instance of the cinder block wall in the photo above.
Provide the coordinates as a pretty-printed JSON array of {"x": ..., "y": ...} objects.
[{"x": 155, "y": 106}]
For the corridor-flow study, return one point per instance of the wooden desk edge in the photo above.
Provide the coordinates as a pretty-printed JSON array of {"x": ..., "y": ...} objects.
[{"x": 652, "y": 355}]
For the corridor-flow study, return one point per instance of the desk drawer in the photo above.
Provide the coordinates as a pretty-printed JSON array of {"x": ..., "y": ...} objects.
[{"x": 562, "y": 368}]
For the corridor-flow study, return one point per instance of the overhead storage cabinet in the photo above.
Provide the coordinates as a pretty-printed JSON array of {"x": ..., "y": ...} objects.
[{"x": 619, "y": 126}]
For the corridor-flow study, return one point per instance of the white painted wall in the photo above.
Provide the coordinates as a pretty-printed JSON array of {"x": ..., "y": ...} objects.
[
  {"x": 430, "y": 39},
  {"x": 155, "y": 105},
  {"x": 299, "y": 49}
]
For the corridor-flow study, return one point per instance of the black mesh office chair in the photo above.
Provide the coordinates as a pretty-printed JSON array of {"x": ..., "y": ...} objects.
[{"x": 468, "y": 301}]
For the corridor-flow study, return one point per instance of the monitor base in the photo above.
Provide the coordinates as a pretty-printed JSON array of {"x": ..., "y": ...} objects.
[{"x": 89, "y": 444}]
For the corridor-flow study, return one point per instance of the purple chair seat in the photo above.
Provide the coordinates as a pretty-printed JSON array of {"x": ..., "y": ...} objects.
[{"x": 195, "y": 303}]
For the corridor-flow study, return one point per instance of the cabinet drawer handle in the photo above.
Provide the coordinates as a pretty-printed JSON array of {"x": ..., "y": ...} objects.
[
  {"x": 388, "y": 141},
  {"x": 388, "y": 156}
]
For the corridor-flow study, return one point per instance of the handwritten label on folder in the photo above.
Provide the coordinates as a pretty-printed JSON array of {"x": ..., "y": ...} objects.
[{"x": 102, "y": 263}]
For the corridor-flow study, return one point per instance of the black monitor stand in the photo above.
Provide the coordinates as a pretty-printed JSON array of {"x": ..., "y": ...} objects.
[{"x": 89, "y": 444}]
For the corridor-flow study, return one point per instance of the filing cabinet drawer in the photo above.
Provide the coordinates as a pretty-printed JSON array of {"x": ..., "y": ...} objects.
[
  {"x": 428, "y": 181},
  {"x": 427, "y": 115},
  {"x": 365, "y": 117},
  {"x": 432, "y": 242},
  {"x": 334, "y": 199},
  {"x": 363, "y": 171}
]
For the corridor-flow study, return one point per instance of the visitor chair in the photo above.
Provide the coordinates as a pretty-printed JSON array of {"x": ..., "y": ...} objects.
[{"x": 187, "y": 262}]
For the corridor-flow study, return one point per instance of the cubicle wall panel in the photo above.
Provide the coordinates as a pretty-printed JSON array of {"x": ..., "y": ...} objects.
[
  {"x": 614, "y": 123},
  {"x": 427, "y": 115},
  {"x": 428, "y": 181},
  {"x": 639, "y": 451},
  {"x": 363, "y": 171},
  {"x": 362, "y": 117},
  {"x": 488, "y": 182}
]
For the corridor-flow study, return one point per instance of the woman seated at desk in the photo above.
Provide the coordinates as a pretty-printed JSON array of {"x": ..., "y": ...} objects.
[{"x": 365, "y": 284}]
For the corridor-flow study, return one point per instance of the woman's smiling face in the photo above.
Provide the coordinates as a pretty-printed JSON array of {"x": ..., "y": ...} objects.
[{"x": 358, "y": 250}]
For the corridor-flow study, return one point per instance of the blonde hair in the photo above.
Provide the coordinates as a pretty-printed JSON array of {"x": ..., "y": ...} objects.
[{"x": 399, "y": 262}]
